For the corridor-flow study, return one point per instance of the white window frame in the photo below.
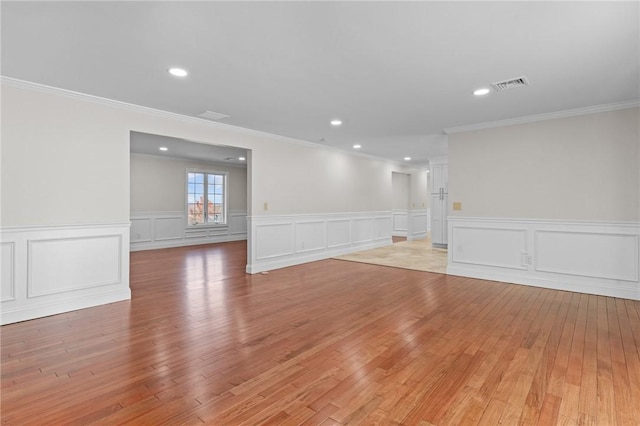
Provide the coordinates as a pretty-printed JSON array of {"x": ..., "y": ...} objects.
[{"x": 225, "y": 186}]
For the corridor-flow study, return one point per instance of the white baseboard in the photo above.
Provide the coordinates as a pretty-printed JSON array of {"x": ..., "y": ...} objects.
[
  {"x": 281, "y": 241},
  {"x": 600, "y": 258},
  {"x": 51, "y": 270},
  {"x": 158, "y": 230}
]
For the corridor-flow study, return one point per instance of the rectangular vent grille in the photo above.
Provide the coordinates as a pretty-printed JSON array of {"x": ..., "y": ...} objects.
[
  {"x": 510, "y": 84},
  {"x": 210, "y": 115}
]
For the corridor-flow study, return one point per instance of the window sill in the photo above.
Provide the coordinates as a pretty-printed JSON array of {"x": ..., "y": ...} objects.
[{"x": 207, "y": 226}]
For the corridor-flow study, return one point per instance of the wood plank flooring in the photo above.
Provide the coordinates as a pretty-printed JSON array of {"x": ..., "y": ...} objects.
[{"x": 329, "y": 342}]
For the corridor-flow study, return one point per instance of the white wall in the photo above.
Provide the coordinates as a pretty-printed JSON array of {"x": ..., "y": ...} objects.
[
  {"x": 552, "y": 203},
  {"x": 576, "y": 168},
  {"x": 158, "y": 183},
  {"x": 401, "y": 190}
]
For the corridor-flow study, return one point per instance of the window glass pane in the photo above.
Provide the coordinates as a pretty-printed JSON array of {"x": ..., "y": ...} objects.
[
  {"x": 205, "y": 198},
  {"x": 195, "y": 214}
]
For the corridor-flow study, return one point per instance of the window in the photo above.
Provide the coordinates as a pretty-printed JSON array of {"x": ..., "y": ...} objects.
[{"x": 206, "y": 198}]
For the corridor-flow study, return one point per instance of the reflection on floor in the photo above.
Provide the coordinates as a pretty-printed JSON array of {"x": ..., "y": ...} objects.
[{"x": 417, "y": 255}]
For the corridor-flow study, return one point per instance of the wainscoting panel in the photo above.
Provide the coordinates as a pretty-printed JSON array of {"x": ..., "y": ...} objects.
[
  {"x": 156, "y": 230},
  {"x": 310, "y": 236},
  {"x": 338, "y": 233},
  {"x": 400, "y": 223},
  {"x": 274, "y": 240},
  {"x": 418, "y": 224},
  {"x": 280, "y": 241},
  {"x": 588, "y": 254},
  {"x": 50, "y": 270},
  {"x": 469, "y": 245},
  {"x": 588, "y": 257},
  {"x": 382, "y": 228},
  {"x": 7, "y": 273},
  {"x": 141, "y": 230},
  {"x": 67, "y": 264},
  {"x": 169, "y": 228},
  {"x": 362, "y": 230}
]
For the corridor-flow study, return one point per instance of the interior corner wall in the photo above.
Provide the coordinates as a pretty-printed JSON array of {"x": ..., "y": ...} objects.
[{"x": 575, "y": 168}]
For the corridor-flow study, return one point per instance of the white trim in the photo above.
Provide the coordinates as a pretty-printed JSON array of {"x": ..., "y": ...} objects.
[
  {"x": 10, "y": 229},
  {"x": 145, "y": 230},
  {"x": 594, "y": 257},
  {"x": 285, "y": 240},
  {"x": 58, "y": 269},
  {"x": 546, "y": 116}
]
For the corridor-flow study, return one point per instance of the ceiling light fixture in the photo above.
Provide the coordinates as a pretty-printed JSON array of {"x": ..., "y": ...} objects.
[
  {"x": 357, "y": 146},
  {"x": 407, "y": 158},
  {"x": 178, "y": 72},
  {"x": 163, "y": 148},
  {"x": 336, "y": 122},
  {"x": 241, "y": 158},
  {"x": 481, "y": 92}
]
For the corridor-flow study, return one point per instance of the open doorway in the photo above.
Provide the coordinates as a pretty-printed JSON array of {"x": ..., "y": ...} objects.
[{"x": 186, "y": 193}]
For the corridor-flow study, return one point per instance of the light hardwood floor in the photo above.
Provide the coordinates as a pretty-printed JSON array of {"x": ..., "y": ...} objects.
[
  {"x": 417, "y": 255},
  {"x": 329, "y": 342}
]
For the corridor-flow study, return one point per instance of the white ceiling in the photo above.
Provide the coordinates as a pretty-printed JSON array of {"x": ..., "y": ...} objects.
[
  {"x": 145, "y": 143},
  {"x": 396, "y": 73}
]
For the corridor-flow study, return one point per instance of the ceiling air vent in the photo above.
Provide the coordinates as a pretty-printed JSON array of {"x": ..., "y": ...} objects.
[
  {"x": 510, "y": 84},
  {"x": 210, "y": 115}
]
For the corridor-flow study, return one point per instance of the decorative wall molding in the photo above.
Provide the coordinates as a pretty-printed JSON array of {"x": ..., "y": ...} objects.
[
  {"x": 56, "y": 269},
  {"x": 400, "y": 222},
  {"x": 587, "y": 257},
  {"x": 418, "y": 224},
  {"x": 157, "y": 230},
  {"x": 548, "y": 116},
  {"x": 280, "y": 241},
  {"x": 413, "y": 224}
]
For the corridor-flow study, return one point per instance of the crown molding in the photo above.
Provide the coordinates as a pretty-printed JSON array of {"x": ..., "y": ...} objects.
[
  {"x": 546, "y": 116},
  {"x": 28, "y": 85}
]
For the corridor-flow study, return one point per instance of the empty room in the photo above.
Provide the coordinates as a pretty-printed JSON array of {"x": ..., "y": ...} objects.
[{"x": 323, "y": 212}]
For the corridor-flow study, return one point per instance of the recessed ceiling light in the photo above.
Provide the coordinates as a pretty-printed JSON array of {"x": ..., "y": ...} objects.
[
  {"x": 178, "y": 72},
  {"x": 407, "y": 158},
  {"x": 481, "y": 92},
  {"x": 336, "y": 122},
  {"x": 357, "y": 146},
  {"x": 241, "y": 158},
  {"x": 163, "y": 148}
]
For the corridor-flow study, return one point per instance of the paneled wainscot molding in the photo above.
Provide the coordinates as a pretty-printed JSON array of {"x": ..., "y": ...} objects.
[
  {"x": 280, "y": 241},
  {"x": 413, "y": 224},
  {"x": 587, "y": 257},
  {"x": 56, "y": 269},
  {"x": 156, "y": 230}
]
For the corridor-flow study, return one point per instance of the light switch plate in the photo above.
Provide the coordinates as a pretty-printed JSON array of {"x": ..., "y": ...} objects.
[{"x": 457, "y": 205}]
